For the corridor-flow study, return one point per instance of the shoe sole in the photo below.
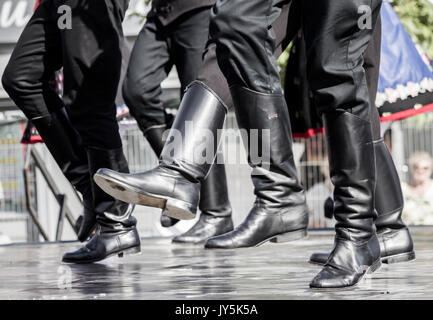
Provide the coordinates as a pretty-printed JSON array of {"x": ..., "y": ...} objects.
[
  {"x": 171, "y": 207},
  {"x": 370, "y": 270},
  {"x": 121, "y": 254},
  {"x": 281, "y": 238},
  {"x": 401, "y": 257}
]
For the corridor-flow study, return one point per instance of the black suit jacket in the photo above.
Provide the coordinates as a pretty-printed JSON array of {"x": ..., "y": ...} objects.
[{"x": 169, "y": 10}]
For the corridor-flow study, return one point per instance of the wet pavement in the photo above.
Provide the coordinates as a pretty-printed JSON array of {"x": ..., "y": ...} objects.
[{"x": 167, "y": 271}]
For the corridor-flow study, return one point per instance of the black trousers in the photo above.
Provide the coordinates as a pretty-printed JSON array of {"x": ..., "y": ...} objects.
[
  {"x": 246, "y": 41},
  {"x": 157, "y": 49},
  {"x": 90, "y": 55}
]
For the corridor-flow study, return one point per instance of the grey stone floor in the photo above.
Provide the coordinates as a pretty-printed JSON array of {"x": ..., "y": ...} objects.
[{"x": 166, "y": 271}]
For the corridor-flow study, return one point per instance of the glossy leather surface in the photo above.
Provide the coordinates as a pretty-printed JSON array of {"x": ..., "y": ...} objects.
[
  {"x": 103, "y": 245},
  {"x": 261, "y": 226},
  {"x": 394, "y": 237},
  {"x": 348, "y": 263},
  {"x": 280, "y": 206},
  {"x": 352, "y": 167},
  {"x": 178, "y": 176},
  {"x": 207, "y": 226}
]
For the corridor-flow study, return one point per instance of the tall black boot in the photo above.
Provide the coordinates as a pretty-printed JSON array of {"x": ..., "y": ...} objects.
[
  {"x": 64, "y": 144},
  {"x": 280, "y": 213},
  {"x": 186, "y": 159},
  {"x": 117, "y": 233},
  {"x": 396, "y": 243},
  {"x": 216, "y": 212},
  {"x": 154, "y": 136},
  {"x": 352, "y": 167}
]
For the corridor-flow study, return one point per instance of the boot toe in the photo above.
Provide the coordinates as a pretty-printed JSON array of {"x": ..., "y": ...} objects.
[
  {"x": 78, "y": 256},
  {"x": 219, "y": 242},
  {"x": 187, "y": 239},
  {"x": 168, "y": 222},
  {"x": 330, "y": 278},
  {"x": 319, "y": 258}
]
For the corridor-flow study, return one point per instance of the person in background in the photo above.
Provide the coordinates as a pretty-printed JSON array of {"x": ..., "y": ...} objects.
[{"x": 418, "y": 193}]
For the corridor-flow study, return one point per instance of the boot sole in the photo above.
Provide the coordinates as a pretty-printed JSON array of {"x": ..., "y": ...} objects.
[
  {"x": 281, "y": 238},
  {"x": 401, "y": 257},
  {"x": 290, "y": 236},
  {"x": 121, "y": 254},
  {"x": 171, "y": 207},
  {"x": 371, "y": 269}
]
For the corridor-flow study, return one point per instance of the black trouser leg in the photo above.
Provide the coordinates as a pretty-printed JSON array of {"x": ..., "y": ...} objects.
[
  {"x": 337, "y": 78},
  {"x": 203, "y": 106},
  {"x": 149, "y": 64},
  {"x": 92, "y": 61},
  {"x": 279, "y": 213},
  {"x": 37, "y": 55},
  {"x": 156, "y": 50}
]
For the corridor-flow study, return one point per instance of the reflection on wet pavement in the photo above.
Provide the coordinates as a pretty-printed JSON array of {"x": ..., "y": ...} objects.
[{"x": 167, "y": 271}]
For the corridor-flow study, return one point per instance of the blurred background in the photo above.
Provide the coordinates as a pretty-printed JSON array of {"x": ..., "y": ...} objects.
[{"x": 38, "y": 204}]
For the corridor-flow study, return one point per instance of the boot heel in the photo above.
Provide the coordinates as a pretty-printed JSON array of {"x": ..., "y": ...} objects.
[
  {"x": 290, "y": 236},
  {"x": 179, "y": 209},
  {"x": 130, "y": 251},
  {"x": 374, "y": 267},
  {"x": 402, "y": 257}
]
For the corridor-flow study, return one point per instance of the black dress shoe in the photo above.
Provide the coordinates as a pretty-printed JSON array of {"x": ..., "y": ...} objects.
[
  {"x": 260, "y": 227},
  {"x": 117, "y": 232},
  {"x": 207, "y": 226},
  {"x": 348, "y": 264},
  {"x": 104, "y": 245}
]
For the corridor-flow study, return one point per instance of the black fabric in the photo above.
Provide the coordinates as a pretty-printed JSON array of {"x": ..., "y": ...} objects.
[
  {"x": 167, "y": 11},
  {"x": 246, "y": 42},
  {"x": 303, "y": 114},
  {"x": 155, "y": 52},
  {"x": 91, "y": 58},
  {"x": 285, "y": 27}
]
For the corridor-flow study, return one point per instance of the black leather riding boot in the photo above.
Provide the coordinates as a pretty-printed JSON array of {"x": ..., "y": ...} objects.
[
  {"x": 352, "y": 167},
  {"x": 154, "y": 136},
  {"x": 65, "y": 146},
  {"x": 396, "y": 243},
  {"x": 215, "y": 209},
  {"x": 280, "y": 213},
  {"x": 117, "y": 233},
  {"x": 185, "y": 161}
]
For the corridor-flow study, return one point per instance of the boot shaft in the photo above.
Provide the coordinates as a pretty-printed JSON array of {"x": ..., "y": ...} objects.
[
  {"x": 265, "y": 118},
  {"x": 194, "y": 138},
  {"x": 389, "y": 201},
  {"x": 214, "y": 198},
  {"x": 352, "y": 168}
]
